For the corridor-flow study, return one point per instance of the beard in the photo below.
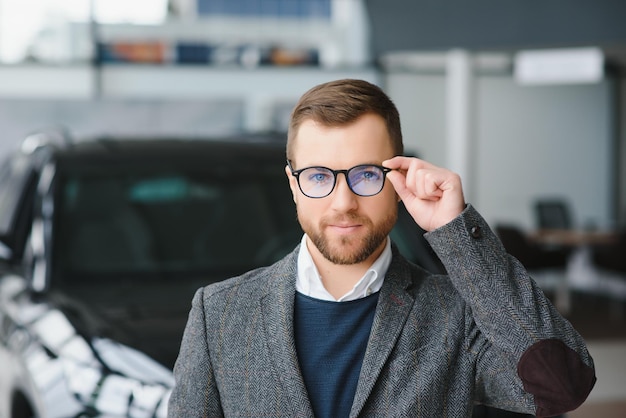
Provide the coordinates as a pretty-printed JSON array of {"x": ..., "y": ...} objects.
[{"x": 349, "y": 249}]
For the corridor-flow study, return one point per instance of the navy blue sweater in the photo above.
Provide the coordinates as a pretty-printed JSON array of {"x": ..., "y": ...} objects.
[{"x": 331, "y": 338}]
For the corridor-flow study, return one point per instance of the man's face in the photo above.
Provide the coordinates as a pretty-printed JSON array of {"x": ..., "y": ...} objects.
[{"x": 344, "y": 227}]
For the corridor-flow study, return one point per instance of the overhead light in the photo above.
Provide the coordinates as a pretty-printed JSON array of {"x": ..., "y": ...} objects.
[{"x": 559, "y": 66}]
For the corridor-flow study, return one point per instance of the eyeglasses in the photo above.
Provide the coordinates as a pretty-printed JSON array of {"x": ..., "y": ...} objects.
[{"x": 363, "y": 180}]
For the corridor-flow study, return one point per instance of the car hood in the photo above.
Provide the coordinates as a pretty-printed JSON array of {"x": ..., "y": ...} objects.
[{"x": 147, "y": 316}]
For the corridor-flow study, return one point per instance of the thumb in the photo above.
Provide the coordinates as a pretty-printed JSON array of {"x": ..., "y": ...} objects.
[{"x": 398, "y": 181}]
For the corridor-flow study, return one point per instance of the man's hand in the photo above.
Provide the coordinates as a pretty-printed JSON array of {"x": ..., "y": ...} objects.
[{"x": 432, "y": 195}]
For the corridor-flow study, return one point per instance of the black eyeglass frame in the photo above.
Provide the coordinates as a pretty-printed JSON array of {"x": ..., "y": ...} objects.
[{"x": 296, "y": 174}]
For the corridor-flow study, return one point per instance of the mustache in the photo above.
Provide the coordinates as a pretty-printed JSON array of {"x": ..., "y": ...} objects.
[{"x": 346, "y": 217}]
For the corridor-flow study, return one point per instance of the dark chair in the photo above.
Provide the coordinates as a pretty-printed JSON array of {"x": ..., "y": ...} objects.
[
  {"x": 553, "y": 214},
  {"x": 611, "y": 256},
  {"x": 532, "y": 256}
]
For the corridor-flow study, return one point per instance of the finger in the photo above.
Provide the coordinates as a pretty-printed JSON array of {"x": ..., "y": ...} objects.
[
  {"x": 429, "y": 183},
  {"x": 404, "y": 163}
]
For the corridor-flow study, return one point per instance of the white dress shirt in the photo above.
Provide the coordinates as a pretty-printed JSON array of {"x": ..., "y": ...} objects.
[{"x": 309, "y": 282}]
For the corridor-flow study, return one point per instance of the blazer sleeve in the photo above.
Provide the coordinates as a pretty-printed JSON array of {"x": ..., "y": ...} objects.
[
  {"x": 195, "y": 392},
  {"x": 515, "y": 319}
]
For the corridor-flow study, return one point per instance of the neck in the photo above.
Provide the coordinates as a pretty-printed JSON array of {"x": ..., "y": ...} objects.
[{"x": 339, "y": 279}]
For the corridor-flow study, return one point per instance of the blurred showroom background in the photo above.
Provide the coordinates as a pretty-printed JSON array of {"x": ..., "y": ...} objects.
[{"x": 525, "y": 99}]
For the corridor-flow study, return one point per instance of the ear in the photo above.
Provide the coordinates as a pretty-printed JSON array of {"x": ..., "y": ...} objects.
[{"x": 293, "y": 184}]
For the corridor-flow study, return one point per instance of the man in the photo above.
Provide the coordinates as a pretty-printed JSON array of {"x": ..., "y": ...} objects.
[{"x": 345, "y": 326}]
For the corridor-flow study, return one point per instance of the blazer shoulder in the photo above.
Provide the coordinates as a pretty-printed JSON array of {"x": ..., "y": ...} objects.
[
  {"x": 426, "y": 287},
  {"x": 416, "y": 274},
  {"x": 254, "y": 283}
]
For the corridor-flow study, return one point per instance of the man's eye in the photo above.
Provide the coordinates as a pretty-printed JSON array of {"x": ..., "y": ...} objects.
[
  {"x": 367, "y": 175},
  {"x": 319, "y": 177}
]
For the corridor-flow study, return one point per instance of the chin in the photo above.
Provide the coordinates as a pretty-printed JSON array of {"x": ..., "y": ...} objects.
[{"x": 347, "y": 254}]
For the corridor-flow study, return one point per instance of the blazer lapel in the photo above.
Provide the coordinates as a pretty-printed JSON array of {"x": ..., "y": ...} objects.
[
  {"x": 393, "y": 308},
  {"x": 277, "y": 310}
]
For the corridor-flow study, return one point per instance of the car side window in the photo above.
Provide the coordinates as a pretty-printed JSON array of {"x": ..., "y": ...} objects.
[
  {"x": 185, "y": 220},
  {"x": 16, "y": 188}
]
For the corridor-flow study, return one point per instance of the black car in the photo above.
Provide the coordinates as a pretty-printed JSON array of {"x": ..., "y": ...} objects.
[{"x": 103, "y": 243}]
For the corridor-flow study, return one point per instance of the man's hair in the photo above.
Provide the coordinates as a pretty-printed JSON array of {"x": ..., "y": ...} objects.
[{"x": 341, "y": 102}]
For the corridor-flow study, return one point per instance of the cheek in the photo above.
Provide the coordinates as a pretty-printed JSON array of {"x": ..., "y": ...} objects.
[
  {"x": 389, "y": 190},
  {"x": 391, "y": 194},
  {"x": 386, "y": 203},
  {"x": 308, "y": 208}
]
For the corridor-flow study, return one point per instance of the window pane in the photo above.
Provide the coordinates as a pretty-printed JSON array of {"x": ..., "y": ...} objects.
[
  {"x": 141, "y": 12},
  {"x": 178, "y": 219},
  {"x": 278, "y": 8},
  {"x": 43, "y": 30},
  {"x": 58, "y": 31}
]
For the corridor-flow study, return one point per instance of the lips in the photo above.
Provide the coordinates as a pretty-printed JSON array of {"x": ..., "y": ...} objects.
[
  {"x": 344, "y": 225},
  {"x": 344, "y": 222},
  {"x": 344, "y": 228}
]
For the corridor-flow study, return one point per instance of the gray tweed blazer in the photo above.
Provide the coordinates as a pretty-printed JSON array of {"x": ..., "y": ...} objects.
[{"x": 484, "y": 333}]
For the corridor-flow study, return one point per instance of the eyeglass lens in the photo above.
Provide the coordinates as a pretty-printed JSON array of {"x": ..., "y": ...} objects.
[{"x": 363, "y": 180}]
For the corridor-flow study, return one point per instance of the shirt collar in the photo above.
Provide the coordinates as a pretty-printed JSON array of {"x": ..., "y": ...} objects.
[{"x": 309, "y": 282}]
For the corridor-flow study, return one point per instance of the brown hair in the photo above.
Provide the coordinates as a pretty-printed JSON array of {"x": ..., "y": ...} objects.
[{"x": 341, "y": 102}]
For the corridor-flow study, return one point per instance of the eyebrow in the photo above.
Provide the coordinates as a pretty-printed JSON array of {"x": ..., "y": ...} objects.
[{"x": 379, "y": 164}]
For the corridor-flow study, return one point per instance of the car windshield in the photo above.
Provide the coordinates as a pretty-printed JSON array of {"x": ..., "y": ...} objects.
[{"x": 170, "y": 220}]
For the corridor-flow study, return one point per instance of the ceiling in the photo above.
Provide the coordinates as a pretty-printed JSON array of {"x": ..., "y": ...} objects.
[{"x": 497, "y": 25}]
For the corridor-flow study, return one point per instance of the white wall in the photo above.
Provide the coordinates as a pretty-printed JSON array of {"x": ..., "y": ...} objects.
[
  {"x": 137, "y": 118},
  {"x": 529, "y": 142},
  {"x": 549, "y": 141},
  {"x": 420, "y": 99},
  {"x": 141, "y": 100}
]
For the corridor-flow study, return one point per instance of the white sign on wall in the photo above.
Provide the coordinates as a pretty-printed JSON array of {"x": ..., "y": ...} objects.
[{"x": 559, "y": 66}]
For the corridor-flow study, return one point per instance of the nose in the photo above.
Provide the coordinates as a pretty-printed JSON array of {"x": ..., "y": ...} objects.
[{"x": 343, "y": 199}]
